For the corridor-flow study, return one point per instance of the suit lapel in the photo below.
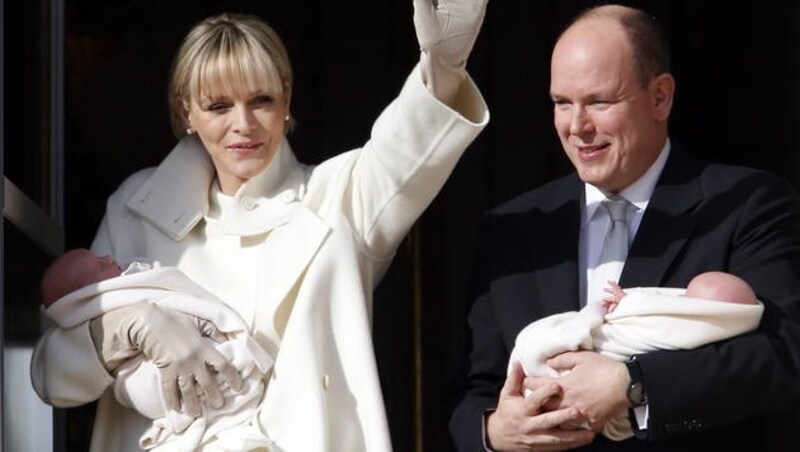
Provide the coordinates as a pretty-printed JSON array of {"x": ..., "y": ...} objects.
[
  {"x": 557, "y": 249},
  {"x": 533, "y": 252},
  {"x": 667, "y": 224}
]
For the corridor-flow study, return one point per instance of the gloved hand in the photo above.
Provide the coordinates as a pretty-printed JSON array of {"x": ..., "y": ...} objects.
[
  {"x": 446, "y": 31},
  {"x": 174, "y": 342}
]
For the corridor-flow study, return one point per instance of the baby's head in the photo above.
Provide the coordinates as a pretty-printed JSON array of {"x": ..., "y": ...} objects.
[
  {"x": 75, "y": 269},
  {"x": 721, "y": 286}
]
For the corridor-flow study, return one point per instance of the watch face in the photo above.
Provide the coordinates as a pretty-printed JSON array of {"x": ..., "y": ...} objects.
[{"x": 636, "y": 394}]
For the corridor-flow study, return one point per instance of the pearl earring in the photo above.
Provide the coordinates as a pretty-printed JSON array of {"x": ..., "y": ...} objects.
[
  {"x": 189, "y": 131},
  {"x": 287, "y": 118}
]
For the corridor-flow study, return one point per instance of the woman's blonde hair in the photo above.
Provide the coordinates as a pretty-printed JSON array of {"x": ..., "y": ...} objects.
[{"x": 223, "y": 52}]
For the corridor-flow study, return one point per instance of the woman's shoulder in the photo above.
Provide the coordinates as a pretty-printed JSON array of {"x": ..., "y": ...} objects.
[
  {"x": 135, "y": 180},
  {"x": 322, "y": 171},
  {"x": 130, "y": 185}
]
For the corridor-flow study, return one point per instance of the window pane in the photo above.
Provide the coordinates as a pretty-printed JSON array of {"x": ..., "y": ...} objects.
[
  {"x": 24, "y": 266},
  {"x": 25, "y": 92}
]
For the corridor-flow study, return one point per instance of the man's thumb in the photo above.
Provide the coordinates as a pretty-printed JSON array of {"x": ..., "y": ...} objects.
[{"x": 513, "y": 384}]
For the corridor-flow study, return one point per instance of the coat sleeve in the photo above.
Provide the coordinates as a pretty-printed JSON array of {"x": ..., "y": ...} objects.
[
  {"x": 752, "y": 374},
  {"x": 413, "y": 147},
  {"x": 65, "y": 368}
]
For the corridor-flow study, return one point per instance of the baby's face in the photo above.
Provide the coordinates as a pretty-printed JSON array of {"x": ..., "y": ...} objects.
[{"x": 94, "y": 268}]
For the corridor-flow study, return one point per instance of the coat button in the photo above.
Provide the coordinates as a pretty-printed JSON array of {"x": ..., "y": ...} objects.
[
  {"x": 248, "y": 203},
  {"x": 286, "y": 197},
  {"x": 326, "y": 382}
]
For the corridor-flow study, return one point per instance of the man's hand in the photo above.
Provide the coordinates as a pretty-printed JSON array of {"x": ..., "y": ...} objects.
[
  {"x": 520, "y": 423},
  {"x": 446, "y": 31},
  {"x": 174, "y": 343},
  {"x": 595, "y": 385}
]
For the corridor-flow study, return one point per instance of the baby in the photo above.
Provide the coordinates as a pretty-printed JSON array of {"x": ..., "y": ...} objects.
[
  {"x": 719, "y": 286},
  {"x": 79, "y": 286},
  {"x": 713, "y": 307},
  {"x": 75, "y": 269}
]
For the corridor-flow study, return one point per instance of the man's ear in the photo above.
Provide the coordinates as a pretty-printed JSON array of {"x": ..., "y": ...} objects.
[{"x": 662, "y": 89}]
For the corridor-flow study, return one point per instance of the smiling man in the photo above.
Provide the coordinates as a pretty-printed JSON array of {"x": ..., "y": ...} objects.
[{"x": 541, "y": 254}]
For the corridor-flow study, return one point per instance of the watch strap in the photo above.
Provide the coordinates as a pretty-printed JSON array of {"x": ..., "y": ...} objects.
[{"x": 636, "y": 393}]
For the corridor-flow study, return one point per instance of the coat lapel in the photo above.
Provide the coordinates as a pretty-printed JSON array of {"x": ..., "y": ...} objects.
[
  {"x": 286, "y": 254},
  {"x": 543, "y": 253},
  {"x": 667, "y": 225},
  {"x": 558, "y": 243}
]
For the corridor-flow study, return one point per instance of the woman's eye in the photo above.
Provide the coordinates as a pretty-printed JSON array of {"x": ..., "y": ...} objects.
[
  {"x": 262, "y": 100},
  {"x": 217, "y": 106}
]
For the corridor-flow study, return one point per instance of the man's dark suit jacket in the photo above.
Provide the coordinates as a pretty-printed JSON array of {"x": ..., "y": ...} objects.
[{"x": 700, "y": 217}]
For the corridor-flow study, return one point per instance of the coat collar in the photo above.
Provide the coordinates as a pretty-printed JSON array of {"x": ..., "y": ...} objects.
[{"x": 175, "y": 197}]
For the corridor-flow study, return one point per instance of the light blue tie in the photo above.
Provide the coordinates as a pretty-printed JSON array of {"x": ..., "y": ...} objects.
[{"x": 615, "y": 246}]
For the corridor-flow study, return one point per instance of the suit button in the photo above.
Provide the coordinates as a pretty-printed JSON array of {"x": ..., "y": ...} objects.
[{"x": 326, "y": 382}]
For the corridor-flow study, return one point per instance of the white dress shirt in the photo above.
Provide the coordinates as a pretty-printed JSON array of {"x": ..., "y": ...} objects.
[{"x": 594, "y": 227}]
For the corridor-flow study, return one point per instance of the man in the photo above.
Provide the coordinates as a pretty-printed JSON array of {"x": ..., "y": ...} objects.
[{"x": 540, "y": 254}]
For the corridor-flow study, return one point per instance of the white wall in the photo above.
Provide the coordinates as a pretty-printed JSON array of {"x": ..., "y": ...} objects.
[{"x": 27, "y": 421}]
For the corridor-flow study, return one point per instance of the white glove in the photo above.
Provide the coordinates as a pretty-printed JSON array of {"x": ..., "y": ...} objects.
[
  {"x": 446, "y": 31},
  {"x": 174, "y": 343}
]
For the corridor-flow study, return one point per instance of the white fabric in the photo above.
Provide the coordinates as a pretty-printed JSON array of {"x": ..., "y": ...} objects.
[
  {"x": 309, "y": 244},
  {"x": 647, "y": 319},
  {"x": 137, "y": 384}
]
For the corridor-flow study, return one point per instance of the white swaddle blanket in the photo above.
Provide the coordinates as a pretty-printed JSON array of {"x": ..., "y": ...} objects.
[
  {"x": 137, "y": 383},
  {"x": 647, "y": 319}
]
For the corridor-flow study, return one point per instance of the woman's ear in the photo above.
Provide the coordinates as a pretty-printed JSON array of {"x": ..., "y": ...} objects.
[
  {"x": 662, "y": 89},
  {"x": 287, "y": 100},
  {"x": 287, "y": 96}
]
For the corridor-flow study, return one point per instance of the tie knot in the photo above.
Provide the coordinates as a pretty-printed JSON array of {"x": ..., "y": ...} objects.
[{"x": 616, "y": 206}]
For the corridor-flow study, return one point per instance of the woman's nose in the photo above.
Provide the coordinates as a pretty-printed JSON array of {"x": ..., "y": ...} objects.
[{"x": 243, "y": 120}]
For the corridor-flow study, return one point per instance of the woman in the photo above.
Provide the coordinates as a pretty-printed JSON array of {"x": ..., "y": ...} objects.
[{"x": 295, "y": 250}]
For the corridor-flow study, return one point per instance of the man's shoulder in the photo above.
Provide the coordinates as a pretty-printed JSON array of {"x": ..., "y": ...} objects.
[
  {"x": 713, "y": 174},
  {"x": 717, "y": 177},
  {"x": 550, "y": 196},
  {"x": 711, "y": 170}
]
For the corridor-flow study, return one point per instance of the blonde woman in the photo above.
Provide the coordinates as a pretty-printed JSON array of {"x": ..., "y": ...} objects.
[{"x": 295, "y": 250}]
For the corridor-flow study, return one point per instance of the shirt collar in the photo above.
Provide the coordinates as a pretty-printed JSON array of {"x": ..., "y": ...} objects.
[{"x": 638, "y": 193}]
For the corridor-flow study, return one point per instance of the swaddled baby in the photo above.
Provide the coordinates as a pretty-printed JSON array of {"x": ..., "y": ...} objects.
[{"x": 80, "y": 286}]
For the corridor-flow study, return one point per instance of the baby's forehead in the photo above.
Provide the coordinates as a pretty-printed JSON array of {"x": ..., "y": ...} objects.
[
  {"x": 78, "y": 255},
  {"x": 82, "y": 265}
]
